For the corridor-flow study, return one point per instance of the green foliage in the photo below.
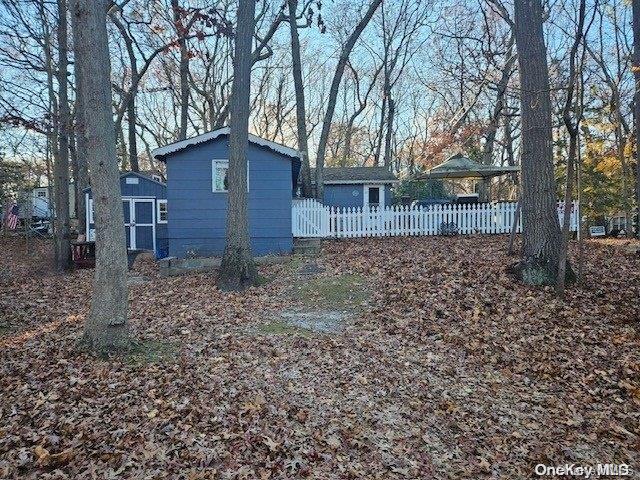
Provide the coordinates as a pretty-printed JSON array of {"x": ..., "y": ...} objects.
[{"x": 421, "y": 189}]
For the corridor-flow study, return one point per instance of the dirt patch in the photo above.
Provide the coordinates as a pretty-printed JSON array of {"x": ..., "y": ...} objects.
[
  {"x": 320, "y": 321},
  {"x": 333, "y": 292},
  {"x": 279, "y": 327}
]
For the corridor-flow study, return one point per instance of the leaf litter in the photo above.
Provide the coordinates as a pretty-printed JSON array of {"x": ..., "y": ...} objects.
[{"x": 449, "y": 369}]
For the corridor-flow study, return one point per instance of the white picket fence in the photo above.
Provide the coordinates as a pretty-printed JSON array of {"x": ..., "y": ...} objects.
[{"x": 310, "y": 218}]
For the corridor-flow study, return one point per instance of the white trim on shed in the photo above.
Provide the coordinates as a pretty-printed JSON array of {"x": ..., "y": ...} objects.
[{"x": 205, "y": 137}]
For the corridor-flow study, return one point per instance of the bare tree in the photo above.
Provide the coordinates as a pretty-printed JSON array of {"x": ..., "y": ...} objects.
[
  {"x": 541, "y": 230},
  {"x": 573, "y": 107},
  {"x": 106, "y": 327},
  {"x": 61, "y": 163},
  {"x": 140, "y": 58},
  {"x": 399, "y": 25},
  {"x": 301, "y": 116},
  {"x": 333, "y": 92},
  {"x": 362, "y": 101},
  {"x": 613, "y": 69},
  {"x": 238, "y": 271},
  {"x": 498, "y": 109},
  {"x": 184, "y": 68}
]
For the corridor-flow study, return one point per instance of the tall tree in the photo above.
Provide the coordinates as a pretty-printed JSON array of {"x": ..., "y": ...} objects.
[
  {"x": 636, "y": 103},
  {"x": 499, "y": 107},
  {"x": 106, "y": 327},
  {"x": 333, "y": 92},
  {"x": 61, "y": 163},
  {"x": 182, "y": 31},
  {"x": 541, "y": 230},
  {"x": 238, "y": 271},
  {"x": 81, "y": 173},
  {"x": 301, "y": 116},
  {"x": 571, "y": 116}
]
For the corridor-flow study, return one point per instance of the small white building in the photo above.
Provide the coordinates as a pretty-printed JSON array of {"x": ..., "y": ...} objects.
[{"x": 42, "y": 202}]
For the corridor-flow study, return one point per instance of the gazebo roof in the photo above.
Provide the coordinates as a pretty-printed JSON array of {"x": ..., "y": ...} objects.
[{"x": 459, "y": 166}]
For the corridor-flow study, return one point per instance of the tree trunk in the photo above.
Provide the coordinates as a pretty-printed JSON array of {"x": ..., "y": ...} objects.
[
  {"x": 636, "y": 104},
  {"x": 541, "y": 230},
  {"x": 573, "y": 129},
  {"x": 494, "y": 121},
  {"x": 61, "y": 165},
  {"x": 301, "y": 115},
  {"x": 389, "y": 134},
  {"x": 238, "y": 271},
  {"x": 380, "y": 133},
  {"x": 131, "y": 132},
  {"x": 73, "y": 155},
  {"x": 184, "y": 70},
  {"x": 106, "y": 327},
  {"x": 348, "y": 135},
  {"x": 566, "y": 218},
  {"x": 82, "y": 174},
  {"x": 333, "y": 94},
  {"x": 52, "y": 130}
]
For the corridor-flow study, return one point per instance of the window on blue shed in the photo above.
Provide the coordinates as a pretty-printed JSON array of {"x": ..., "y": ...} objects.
[
  {"x": 162, "y": 211},
  {"x": 220, "y": 169}
]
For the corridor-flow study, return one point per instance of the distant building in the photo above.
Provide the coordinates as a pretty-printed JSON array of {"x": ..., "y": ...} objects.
[
  {"x": 144, "y": 205},
  {"x": 357, "y": 186},
  {"x": 42, "y": 204}
]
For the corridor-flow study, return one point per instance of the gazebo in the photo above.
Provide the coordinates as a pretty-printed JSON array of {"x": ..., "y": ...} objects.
[{"x": 461, "y": 167}]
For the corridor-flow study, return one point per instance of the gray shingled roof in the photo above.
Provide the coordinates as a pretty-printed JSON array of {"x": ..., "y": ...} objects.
[
  {"x": 357, "y": 174},
  {"x": 459, "y": 166}
]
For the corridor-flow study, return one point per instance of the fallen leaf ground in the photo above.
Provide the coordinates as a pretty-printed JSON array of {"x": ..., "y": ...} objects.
[{"x": 447, "y": 369}]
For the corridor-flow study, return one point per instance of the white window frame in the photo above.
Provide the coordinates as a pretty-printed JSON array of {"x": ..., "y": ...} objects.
[
  {"x": 214, "y": 164},
  {"x": 213, "y": 174},
  {"x": 159, "y": 213},
  {"x": 381, "y": 196}
]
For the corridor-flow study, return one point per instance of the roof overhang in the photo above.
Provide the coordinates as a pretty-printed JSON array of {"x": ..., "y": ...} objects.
[
  {"x": 161, "y": 152},
  {"x": 126, "y": 174},
  {"x": 479, "y": 173}
]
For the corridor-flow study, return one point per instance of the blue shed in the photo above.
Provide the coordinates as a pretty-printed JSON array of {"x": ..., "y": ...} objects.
[
  {"x": 358, "y": 186},
  {"x": 197, "y": 194},
  {"x": 144, "y": 204}
]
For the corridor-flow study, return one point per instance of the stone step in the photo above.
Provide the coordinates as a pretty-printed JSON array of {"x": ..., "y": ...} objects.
[
  {"x": 306, "y": 246},
  {"x": 307, "y": 241}
]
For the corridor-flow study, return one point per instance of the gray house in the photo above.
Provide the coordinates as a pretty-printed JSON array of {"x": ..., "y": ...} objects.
[
  {"x": 197, "y": 194},
  {"x": 357, "y": 186}
]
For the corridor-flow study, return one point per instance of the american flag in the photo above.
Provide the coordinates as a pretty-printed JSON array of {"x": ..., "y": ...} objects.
[{"x": 11, "y": 220}]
